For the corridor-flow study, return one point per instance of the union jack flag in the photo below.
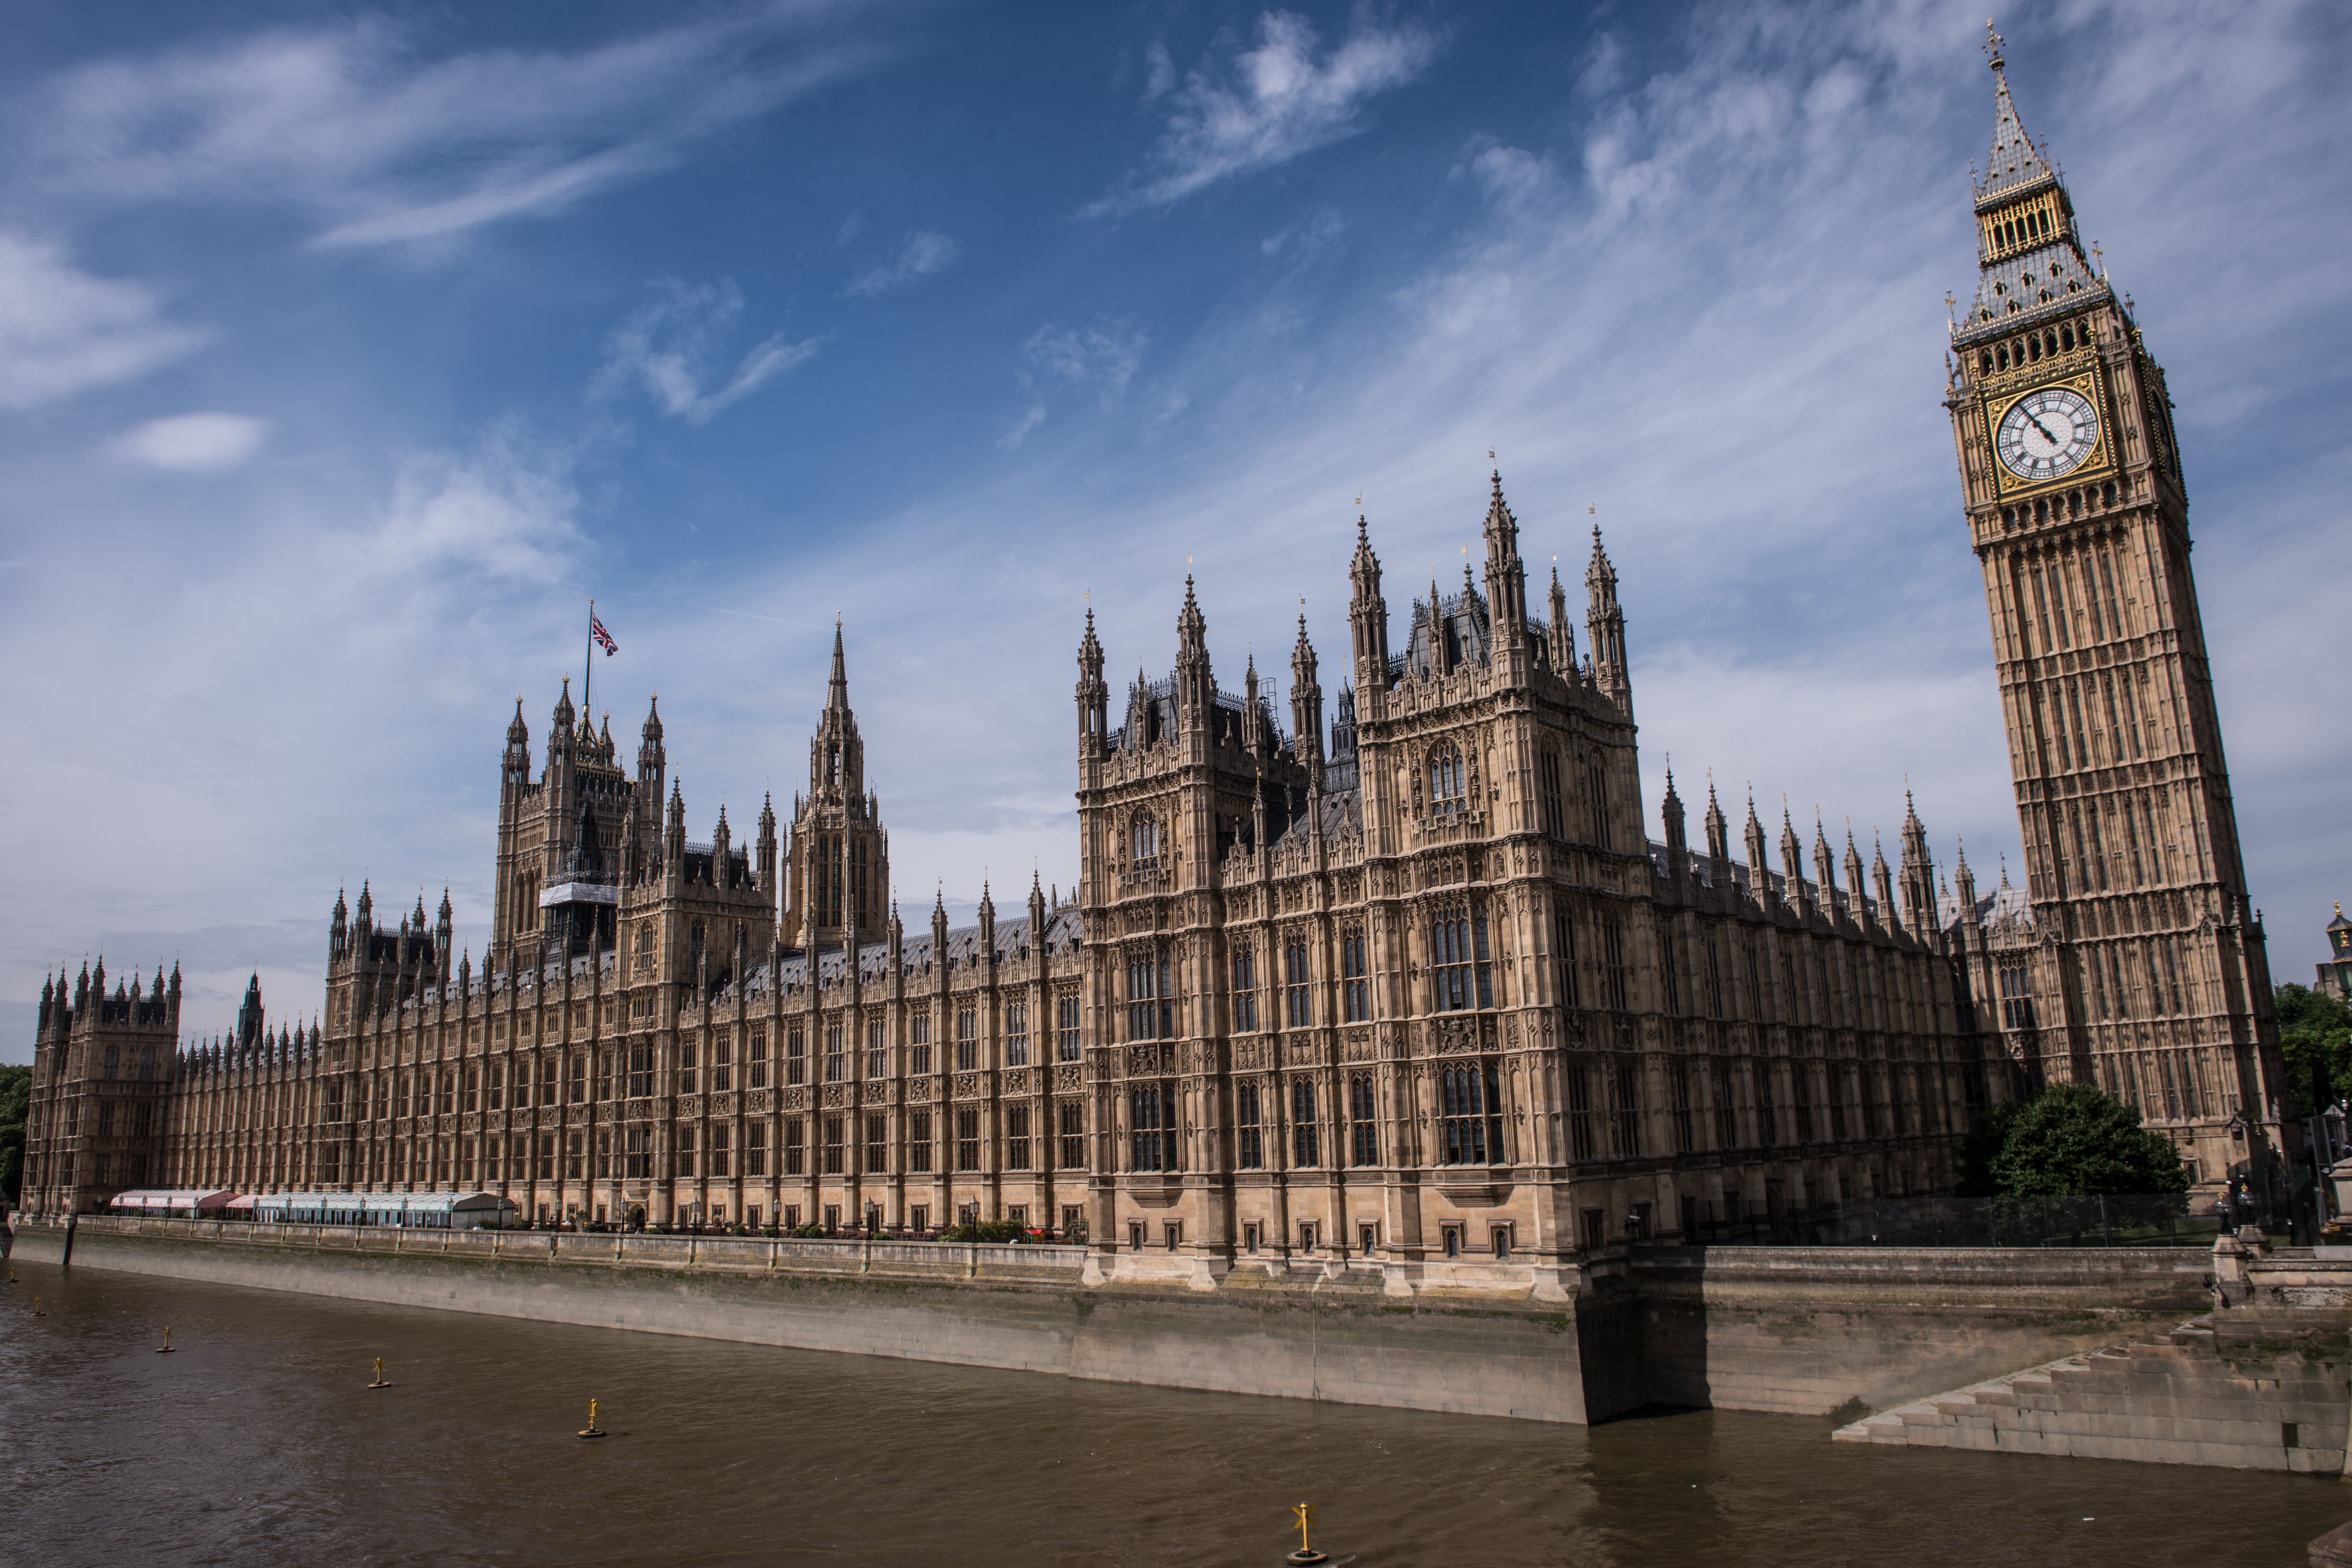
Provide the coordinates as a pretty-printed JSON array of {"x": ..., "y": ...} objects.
[{"x": 596, "y": 630}]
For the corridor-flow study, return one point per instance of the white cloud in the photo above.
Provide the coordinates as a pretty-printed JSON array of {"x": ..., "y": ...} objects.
[
  {"x": 194, "y": 443},
  {"x": 63, "y": 331},
  {"x": 1268, "y": 104},
  {"x": 349, "y": 123},
  {"x": 919, "y": 255},
  {"x": 665, "y": 346},
  {"x": 503, "y": 509}
]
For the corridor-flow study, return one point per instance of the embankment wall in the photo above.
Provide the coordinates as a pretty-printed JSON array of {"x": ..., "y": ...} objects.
[{"x": 1806, "y": 1330}]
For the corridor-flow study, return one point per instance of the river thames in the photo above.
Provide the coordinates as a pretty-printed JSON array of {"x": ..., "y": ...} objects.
[{"x": 255, "y": 1442}]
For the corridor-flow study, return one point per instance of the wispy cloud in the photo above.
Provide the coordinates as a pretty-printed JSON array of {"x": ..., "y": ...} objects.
[
  {"x": 353, "y": 124},
  {"x": 1094, "y": 361},
  {"x": 1266, "y": 105},
  {"x": 194, "y": 443},
  {"x": 666, "y": 345},
  {"x": 919, "y": 255},
  {"x": 63, "y": 331}
]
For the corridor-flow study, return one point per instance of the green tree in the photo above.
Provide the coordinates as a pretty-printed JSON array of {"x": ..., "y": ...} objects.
[
  {"x": 2068, "y": 1141},
  {"x": 16, "y": 1103},
  {"x": 2316, "y": 1036},
  {"x": 2072, "y": 1141}
]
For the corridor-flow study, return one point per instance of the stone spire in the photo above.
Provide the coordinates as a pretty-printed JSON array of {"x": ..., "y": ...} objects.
[
  {"x": 1718, "y": 834},
  {"x": 1605, "y": 629},
  {"x": 1563, "y": 635},
  {"x": 1196, "y": 690},
  {"x": 517, "y": 764},
  {"x": 1507, "y": 575},
  {"x": 652, "y": 759},
  {"x": 1918, "y": 876},
  {"x": 1368, "y": 621},
  {"x": 1759, "y": 873},
  {"x": 1792, "y": 867},
  {"x": 2015, "y": 162},
  {"x": 1093, "y": 694},
  {"x": 1305, "y": 702}
]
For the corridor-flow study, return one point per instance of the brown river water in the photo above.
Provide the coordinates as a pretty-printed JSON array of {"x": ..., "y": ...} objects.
[{"x": 255, "y": 1442}]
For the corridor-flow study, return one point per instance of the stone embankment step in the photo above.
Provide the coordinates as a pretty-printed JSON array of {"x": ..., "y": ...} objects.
[{"x": 2254, "y": 1397}]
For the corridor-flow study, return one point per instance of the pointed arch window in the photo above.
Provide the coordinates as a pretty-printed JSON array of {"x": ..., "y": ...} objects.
[
  {"x": 1470, "y": 1109},
  {"x": 1150, "y": 1006},
  {"x": 1462, "y": 973},
  {"x": 1446, "y": 794},
  {"x": 1143, "y": 842}
]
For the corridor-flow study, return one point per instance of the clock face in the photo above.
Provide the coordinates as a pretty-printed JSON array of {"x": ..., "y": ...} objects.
[{"x": 2047, "y": 433}]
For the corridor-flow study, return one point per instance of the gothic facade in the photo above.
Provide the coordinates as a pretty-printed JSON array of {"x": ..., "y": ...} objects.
[{"x": 1408, "y": 985}]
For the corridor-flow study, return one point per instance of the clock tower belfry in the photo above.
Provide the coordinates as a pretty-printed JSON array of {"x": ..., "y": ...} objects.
[{"x": 2137, "y": 962}]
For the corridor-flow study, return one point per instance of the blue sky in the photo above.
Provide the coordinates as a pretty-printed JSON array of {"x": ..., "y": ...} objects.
[{"x": 345, "y": 353}]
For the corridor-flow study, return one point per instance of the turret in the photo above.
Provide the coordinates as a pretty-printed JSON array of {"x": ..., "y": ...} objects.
[
  {"x": 1507, "y": 575},
  {"x": 1964, "y": 885},
  {"x": 1605, "y": 624},
  {"x": 1824, "y": 870},
  {"x": 444, "y": 928},
  {"x": 516, "y": 768},
  {"x": 560, "y": 733},
  {"x": 1918, "y": 876},
  {"x": 1307, "y": 705},
  {"x": 1368, "y": 619},
  {"x": 1251, "y": 736},
  {"x": 1882, "y": 883},
  {"x": 987, "y": 921},
  {"x": 674, "y": 839},
  {"x": 1792, "y": 867},
  {"x": 1855, "y": 887},
  {"x": 1094, "y": 697},
  {"x": 250, "y": 1015},
  {"x": 1670, "y": 814},
  {"x": 653, "y": 761},
  {"x": 767, "y": 847},
  {"x": 1196, "y": 686},
  {"x": 1719, "y": 840},
  {"x": 1564, "y": 635},
  {"x": 338, "y": 928}
]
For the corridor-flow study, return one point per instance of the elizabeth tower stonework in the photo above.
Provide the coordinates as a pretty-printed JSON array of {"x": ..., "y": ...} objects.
[{"x": 2140, "y": 965}]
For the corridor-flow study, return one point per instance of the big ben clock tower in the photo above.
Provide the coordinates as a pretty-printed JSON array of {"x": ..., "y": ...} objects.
[{"x": 2137, "y": 961}]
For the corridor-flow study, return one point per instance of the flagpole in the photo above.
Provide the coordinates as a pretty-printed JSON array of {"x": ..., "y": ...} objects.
[{"x": 588, "y": 661}]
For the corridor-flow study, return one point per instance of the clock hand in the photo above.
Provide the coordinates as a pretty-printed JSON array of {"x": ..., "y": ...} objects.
[{"x": 2044, "y": 430}]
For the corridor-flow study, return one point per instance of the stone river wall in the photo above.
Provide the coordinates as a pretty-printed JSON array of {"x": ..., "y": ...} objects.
[{"x": 1808, "y": 1331}]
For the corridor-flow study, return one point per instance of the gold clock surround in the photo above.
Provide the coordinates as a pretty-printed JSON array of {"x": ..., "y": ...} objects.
[{"x": 2100, "y": 458}]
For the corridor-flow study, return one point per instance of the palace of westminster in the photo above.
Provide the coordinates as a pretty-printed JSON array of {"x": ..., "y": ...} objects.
[{"x": 1408, "y": 982}]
